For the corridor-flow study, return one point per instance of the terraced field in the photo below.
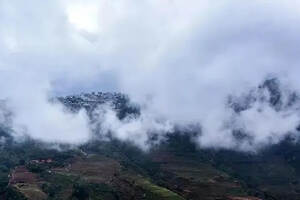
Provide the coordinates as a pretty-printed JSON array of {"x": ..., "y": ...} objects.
[
  {"x": 114, "y": 171},
  {"x": 93, "y": 176}
]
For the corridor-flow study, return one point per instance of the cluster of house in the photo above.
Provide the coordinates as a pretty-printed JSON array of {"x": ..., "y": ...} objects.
[{"x": 42, "y": 161}]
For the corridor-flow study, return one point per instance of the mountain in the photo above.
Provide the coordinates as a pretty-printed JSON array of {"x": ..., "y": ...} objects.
[{"x": 174, "y": 169}]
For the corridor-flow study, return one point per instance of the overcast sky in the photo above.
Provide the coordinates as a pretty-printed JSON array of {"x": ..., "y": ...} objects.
[{"x": 188, "y": 56}]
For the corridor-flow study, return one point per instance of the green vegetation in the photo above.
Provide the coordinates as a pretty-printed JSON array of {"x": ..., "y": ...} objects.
[
  {"x": 153, "y": 191},
  {"x": 13, "y": 194}
]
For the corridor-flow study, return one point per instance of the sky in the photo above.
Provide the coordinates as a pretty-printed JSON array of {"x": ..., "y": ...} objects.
[{"x": 178, "y": 59}]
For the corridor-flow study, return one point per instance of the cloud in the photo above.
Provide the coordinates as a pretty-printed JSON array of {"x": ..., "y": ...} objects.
[
  {"x": 179, "y": 60},
  {"x": 135, "y": 129}
]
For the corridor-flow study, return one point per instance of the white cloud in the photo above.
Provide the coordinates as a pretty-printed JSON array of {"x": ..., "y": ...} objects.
[
  {"x": 137, "y": 130},
  {"x": 186, "y": 56}
]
